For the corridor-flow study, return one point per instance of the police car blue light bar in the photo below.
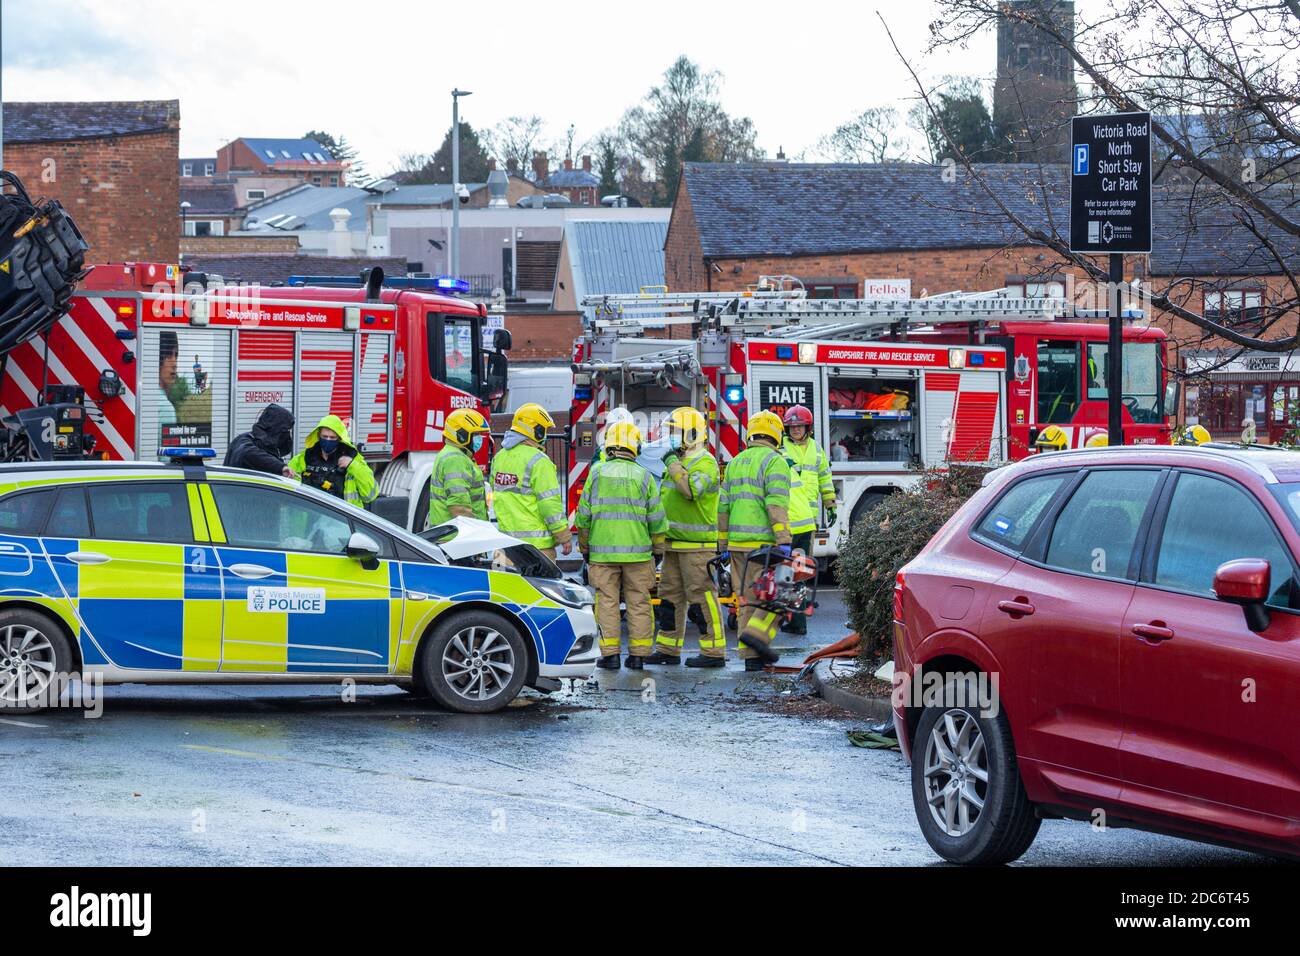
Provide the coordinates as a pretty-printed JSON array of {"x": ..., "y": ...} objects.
[
  {"x": 451, "y": 284},
  {"x": 187, "y": 456}
]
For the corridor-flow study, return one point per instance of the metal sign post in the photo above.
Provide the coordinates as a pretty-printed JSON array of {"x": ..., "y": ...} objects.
[{"x": 1110, "y": 214}]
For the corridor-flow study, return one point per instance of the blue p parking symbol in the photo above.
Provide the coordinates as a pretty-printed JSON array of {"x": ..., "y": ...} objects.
[{"x": 1081, "y": 160}]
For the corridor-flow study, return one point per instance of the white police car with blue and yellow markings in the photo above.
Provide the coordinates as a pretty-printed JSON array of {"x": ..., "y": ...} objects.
[{"x": 176, "y": 573}]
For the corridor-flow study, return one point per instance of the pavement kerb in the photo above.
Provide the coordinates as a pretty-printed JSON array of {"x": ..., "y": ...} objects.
[{"x": 875, "y": 708}]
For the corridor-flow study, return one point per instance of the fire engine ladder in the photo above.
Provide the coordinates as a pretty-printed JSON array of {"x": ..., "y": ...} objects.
[{"x": 794, "y": 314}]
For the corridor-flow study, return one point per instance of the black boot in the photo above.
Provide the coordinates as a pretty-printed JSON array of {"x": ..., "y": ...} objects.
[
  {"x": 764, "y": 651},
  {"x": 609, "y": 662},
  {"x": 699, "y": 660},
  {"x": 659, "y": 657},
  {"x": 798, "y": 625},
  {"x": 754, "y": 664},
  {"x": 634, "y": 663}
]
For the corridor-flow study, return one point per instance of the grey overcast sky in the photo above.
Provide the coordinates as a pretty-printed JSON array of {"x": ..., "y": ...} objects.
[{"x": 380, "y": 72}]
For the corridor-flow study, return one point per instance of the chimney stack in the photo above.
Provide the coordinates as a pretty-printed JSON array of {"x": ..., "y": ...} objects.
[
  {"x": 339, "y": 241},
  {"x": 586, "y": 164},
  {"x": 568, "y": 164},
  {"x": 512, "y": 165},
  {"x": 491, "y": 164},
  {"x": 541, "y": 167}
]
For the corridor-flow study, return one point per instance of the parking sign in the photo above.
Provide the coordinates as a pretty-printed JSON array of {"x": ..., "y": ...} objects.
[{"x": 1110, "y": 183}]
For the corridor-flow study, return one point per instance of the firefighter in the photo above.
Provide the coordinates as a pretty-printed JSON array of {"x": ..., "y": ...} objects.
[
  {"x": 1051, "y": 438},
  {"x": 456, "y": 484},
  {"x": 690, "y": 499},
  {"x": 329, "y": 461},
  {"x": 621, "y": 528},
  {"x": 753, "y": 512},
  {"x": 1194, "y": 435},
  {"x": 810, "y": 469},
  {"x": 525, "y": 487},
  {"x": 264, "y": 447}
]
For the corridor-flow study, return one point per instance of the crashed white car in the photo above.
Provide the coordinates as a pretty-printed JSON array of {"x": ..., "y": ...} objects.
[{"x": 143, "y": 573}]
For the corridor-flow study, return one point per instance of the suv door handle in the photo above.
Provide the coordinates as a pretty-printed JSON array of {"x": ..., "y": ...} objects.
[
  {"x": 87, "y": 557},
  {"x": 1153, "y": 633},
  {"x": 252, "y": 571},
  {"x": 1017, "y": 608}
]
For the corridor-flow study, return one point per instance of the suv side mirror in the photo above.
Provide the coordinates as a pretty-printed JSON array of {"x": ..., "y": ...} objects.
[
  {"x": 365, "y": 549},
  {"x": 1245, "y": 582}
]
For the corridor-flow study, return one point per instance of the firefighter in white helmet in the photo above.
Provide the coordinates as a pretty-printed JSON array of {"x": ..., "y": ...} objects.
[{"x": 690, "y": 497}]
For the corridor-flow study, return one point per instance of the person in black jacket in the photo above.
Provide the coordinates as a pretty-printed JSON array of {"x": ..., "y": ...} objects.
[{"x": 264, "y": 448}]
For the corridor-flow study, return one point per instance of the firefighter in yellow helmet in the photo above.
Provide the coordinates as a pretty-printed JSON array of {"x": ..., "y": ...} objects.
[
  {"x": 456, "y": 484},
  {"x": 1051, "y": 438},
  {"x": 621, "y": 526},
  {"x": 1194, "y": 435},
  {"x": 754, "y": 512},
  {"x": 690, "y": 497},
  {"x": 1097, "y": 440},
  {"x": 525, "y": 487}
]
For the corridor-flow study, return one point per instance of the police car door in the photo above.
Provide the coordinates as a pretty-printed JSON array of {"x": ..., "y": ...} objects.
[
  {"x": 133, "y": 557},
  {"x": 294, "y": 601}
]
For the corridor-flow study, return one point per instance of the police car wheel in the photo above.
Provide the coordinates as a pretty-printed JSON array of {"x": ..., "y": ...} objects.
[
  {"x": 33, "y": 653},
  {"x": 474, "y": 662}
]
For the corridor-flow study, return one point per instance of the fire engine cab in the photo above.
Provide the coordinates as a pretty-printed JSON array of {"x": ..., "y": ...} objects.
[
  {"x": 895, "y": 387},
  {"x": 183, "y": 360}
]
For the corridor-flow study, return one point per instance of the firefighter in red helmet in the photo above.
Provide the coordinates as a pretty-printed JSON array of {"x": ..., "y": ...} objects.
[{"x": 810, "y": 485}]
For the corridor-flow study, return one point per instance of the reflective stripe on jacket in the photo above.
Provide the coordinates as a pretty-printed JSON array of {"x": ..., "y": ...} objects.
[
  {"x": 693, "y": 521},
  {"x": 456, "y": 482},
  {"x": 757, "y": 481},
  {"x": 810, "y": 472},
  {"x": 620, "y": 517},
  {"x": 526, "y": 495}
]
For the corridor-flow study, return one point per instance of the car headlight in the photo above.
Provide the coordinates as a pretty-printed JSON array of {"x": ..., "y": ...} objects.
[{"x": 568, "y": 593}]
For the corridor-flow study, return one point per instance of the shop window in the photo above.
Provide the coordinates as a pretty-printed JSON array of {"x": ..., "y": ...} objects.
[{"x": 872, "y": 418}]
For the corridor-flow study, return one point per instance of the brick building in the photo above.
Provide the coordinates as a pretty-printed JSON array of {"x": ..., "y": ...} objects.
[
  {"x": 113, "y": 165},
  {"x": 837, "y": 226}
]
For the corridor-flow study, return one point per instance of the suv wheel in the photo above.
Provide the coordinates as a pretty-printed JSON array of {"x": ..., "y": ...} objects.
[
  {"x": 474, "y": 662},
  {"x": 33, "y": 651},
  {"x": 966, "y": 785}
]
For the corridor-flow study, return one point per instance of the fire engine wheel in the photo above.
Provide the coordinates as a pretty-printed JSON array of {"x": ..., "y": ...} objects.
[
  {"x": 865, "y": 504},
  {"x": 474, "y": 662}
]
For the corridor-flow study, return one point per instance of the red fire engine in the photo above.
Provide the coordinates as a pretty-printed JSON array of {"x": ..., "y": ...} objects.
[
  {"x": 894, "y": 386},
  {"x": 167, "y": 359}
]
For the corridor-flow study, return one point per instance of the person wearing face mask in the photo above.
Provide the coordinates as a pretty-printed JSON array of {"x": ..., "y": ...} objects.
[
  {"x": 689, "y": 492},
  {"x": 456, "y": 484},
  {"x": 264, "y": 447},
  {"x": 329, "y": 461}
]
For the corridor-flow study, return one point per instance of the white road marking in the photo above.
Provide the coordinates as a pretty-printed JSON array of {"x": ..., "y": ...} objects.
[{"x": 21, "y": 723}]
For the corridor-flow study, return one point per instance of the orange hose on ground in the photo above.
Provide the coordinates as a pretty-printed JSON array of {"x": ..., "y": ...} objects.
[{"x": 845, "y": 647}]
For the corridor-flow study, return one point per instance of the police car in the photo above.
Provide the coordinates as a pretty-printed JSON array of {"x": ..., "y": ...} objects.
[{"x": 179, "y": 573}]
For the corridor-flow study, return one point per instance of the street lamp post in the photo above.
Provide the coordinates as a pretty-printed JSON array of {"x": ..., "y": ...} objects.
[{"x": 456, "y": 94}]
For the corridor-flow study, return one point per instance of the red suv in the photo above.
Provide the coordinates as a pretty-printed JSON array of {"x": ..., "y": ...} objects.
[{"x": 1110, "y": 635}]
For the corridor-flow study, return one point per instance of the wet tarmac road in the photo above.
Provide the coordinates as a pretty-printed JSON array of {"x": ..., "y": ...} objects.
[{"x": 690, "y": 768}]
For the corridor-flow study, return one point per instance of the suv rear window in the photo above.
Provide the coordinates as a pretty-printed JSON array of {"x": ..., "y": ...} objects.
[
  {"x": 1098, "y": 527},
  {"x": 1009, "y": 522}
]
